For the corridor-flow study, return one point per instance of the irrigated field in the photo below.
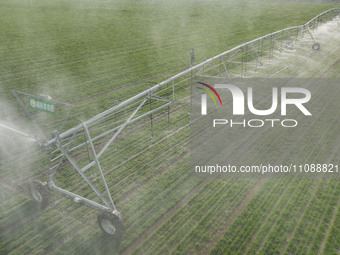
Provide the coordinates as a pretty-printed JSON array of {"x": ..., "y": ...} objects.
[{"x": 96, "y": 54}]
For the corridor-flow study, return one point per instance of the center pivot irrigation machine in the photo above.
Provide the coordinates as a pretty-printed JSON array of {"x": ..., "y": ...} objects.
[{"x": 96, "y": 135}]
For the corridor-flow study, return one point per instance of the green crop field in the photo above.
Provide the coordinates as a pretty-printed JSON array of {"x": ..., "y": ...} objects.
[{"x": 96, "y": 54}]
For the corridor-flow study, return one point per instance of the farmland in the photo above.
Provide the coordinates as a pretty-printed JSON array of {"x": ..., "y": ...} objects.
[{"x": 95, "y": 54}]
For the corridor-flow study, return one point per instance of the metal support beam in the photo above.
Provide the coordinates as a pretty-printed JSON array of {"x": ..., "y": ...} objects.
[
  {"x": 121, "y": 128},
  {"x": 75, "y": 165},
  {"x": 76, "y": 198},
  {"x": 99, "y": 166},
  {"x": 112, "y": 131}
]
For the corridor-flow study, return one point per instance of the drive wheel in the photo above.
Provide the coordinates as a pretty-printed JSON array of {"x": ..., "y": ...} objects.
[
  {"x": 316, "y": 46},
  {"x": 111, "y": 224},
  {"x": 39, "y": 193}
]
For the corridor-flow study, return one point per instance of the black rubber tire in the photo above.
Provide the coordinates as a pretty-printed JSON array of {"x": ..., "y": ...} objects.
[
  {"x": 111, "y": 224},
  {"x": 39, "y": 193},
  {"x": 316, "y": 46}
]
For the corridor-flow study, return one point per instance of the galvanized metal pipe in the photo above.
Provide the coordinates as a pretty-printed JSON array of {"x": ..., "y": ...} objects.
[{"x": 171, "y": 79}]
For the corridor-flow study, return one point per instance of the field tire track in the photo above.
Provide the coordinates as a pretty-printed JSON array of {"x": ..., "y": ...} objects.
[
  {"x": 141, "y": 239},
  {"x": 266, "y": 219},
  {"x": 159, "y": 222},
  {"x": 233, "y": 216}
]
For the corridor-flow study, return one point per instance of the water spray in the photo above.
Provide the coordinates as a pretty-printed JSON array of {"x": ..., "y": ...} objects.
[{"x": 30, "y": 138}]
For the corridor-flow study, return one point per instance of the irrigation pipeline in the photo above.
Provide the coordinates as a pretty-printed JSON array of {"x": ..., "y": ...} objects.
[
  {"x": 310, "y": 24},
  {"x": 302, "y": 28}
]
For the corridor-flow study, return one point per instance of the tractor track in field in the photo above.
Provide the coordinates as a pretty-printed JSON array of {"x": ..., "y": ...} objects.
[
  {"x": 233, "y": 216},
  {"x": 160, "y": 221},
  {"x": 264, "y": 240},
  {"x": 331, "y": 68},
  {"x": 253, "y": 238}
]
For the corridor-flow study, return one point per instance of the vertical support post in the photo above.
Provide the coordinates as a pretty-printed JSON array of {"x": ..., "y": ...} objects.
[
  {"x": 310, "y": 33},
  {"x": 151, "y": 117},
  {"x": 98, "y": 165},
  {"x": 168, "y": 94},
  {"x": 173, "y": 91},
  {"x": 51, "y": 174},
  {"x": 191, "y": 79},
  {"x": 261, "y": 56},
  {"x": 87, "y": 148},
  {"x": 227, "y": 65},
  {"x": 246, "y": 59},
  {"x": 220, "y": 64},
  {"x": 241, "y": 62},
  {"x": 169, "y": 117},
  {"x": 192, "y": 55},
  {"x": 271, "y": 47}
]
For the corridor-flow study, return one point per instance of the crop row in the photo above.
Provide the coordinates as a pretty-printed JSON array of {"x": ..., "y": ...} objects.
[
  {"x": 303, "y": 237},
  {"x": 213, "y": 195},
  {"x": 240, "y": 232}
]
